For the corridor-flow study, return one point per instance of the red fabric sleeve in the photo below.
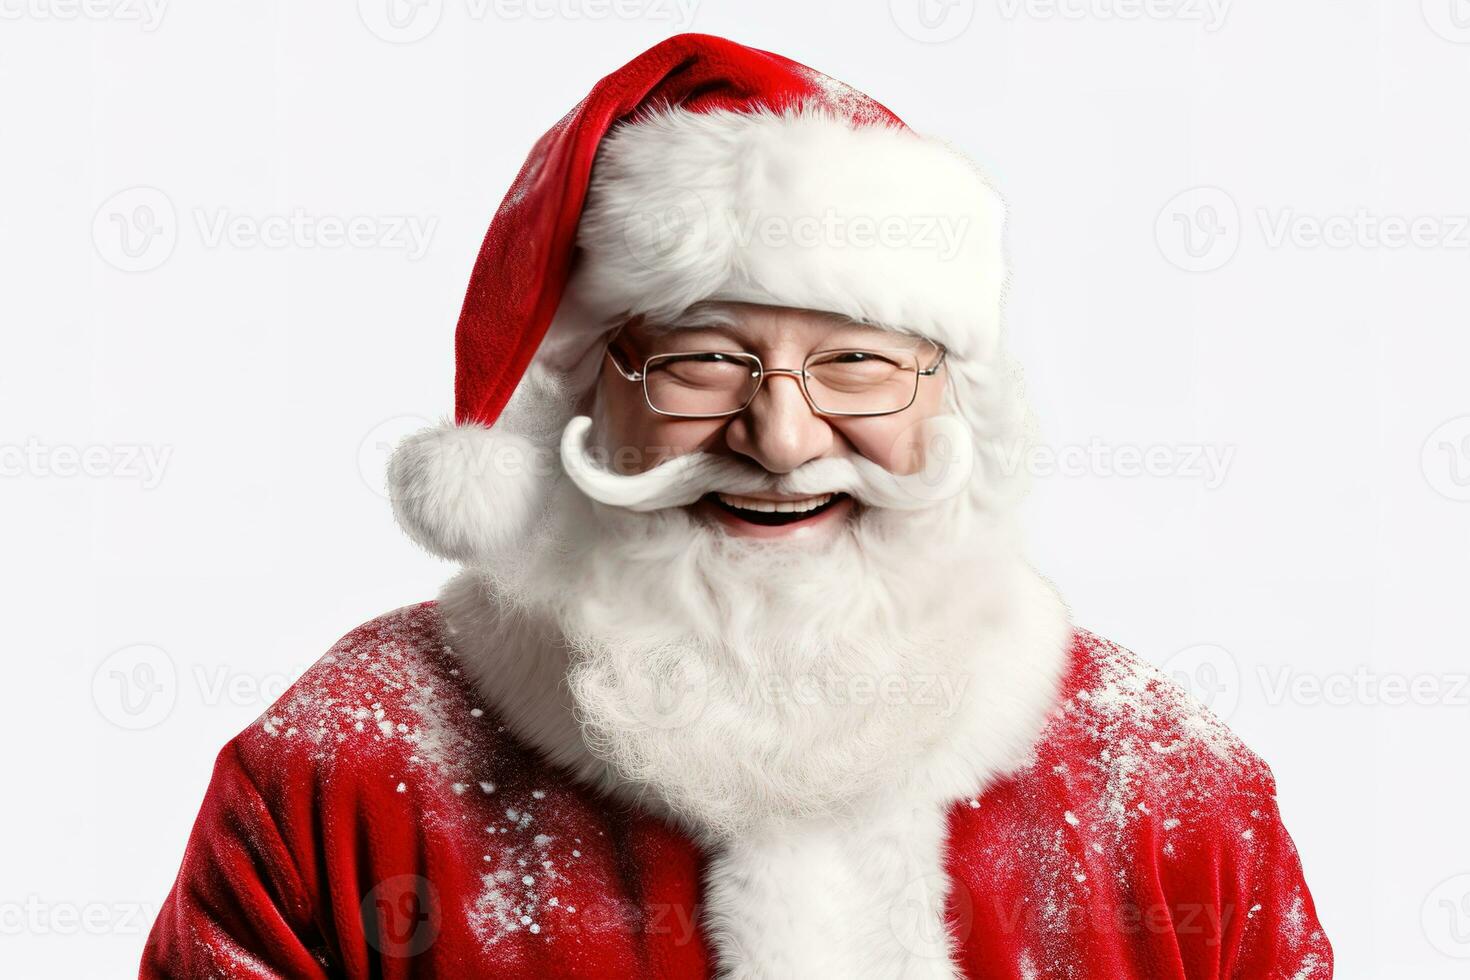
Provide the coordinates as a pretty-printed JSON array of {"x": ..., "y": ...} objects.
[
  {"x": 237, "y": 908},
  {"x": 1280, "y": 937},
  {"x": 1240, "y": 905}
]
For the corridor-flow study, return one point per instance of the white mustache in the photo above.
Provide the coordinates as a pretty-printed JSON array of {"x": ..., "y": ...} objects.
[{"x": 949, "y": 459}]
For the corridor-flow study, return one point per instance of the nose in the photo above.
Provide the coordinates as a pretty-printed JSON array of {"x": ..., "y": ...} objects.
[{"x": 778, "y": 429}]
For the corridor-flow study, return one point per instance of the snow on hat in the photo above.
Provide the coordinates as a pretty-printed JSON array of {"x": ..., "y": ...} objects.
[{"x": 722, "y": 172}]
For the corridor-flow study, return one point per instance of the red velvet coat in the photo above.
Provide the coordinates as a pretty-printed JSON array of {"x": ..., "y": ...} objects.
[{"x": 379, "y": 821}]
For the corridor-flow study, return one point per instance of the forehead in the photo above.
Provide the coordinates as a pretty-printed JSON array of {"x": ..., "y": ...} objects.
[{"x": 769, "y": 326}]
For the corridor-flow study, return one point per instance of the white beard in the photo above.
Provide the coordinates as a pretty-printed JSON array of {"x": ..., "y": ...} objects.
[
  {"x": 746, "y": 689},
  {"x": 739, "y": 683}
]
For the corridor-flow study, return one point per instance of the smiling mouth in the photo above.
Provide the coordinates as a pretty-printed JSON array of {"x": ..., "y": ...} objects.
[{"x": 774, "y": 513}]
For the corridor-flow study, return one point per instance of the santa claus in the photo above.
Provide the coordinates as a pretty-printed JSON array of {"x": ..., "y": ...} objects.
[{"x": 745, "y": 673}]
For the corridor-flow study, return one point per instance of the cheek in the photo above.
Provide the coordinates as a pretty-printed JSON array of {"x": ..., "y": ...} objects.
[
  {"x": 895, "y": 442},
  {"x": 636, "y": 439},
  {"x": 890, "y": 441}
]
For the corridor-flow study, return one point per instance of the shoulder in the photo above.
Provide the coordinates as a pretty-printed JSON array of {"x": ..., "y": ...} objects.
[
  {"x": 1140, "y": 814},
  {"x": 1134, "y": 741},
  {"x": 383, "y": 683},
  {"x": 1128, "y": 764},
  {"x": 386, "y": 704},
  {"x": 1121, "y": 716}
]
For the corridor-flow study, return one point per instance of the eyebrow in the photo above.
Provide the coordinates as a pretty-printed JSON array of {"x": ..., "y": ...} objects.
[
  {"x": 694, "y": 318},
  {"x": 873, "y": 329},
  {"x": 713, "y": 319}
]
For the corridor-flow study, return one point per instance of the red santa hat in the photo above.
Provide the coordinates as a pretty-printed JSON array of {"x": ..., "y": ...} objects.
[{"x": 701, "y": 170}]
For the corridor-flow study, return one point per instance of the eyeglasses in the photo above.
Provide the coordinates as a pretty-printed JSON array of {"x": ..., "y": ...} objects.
[{"x": 847, "y": 382}]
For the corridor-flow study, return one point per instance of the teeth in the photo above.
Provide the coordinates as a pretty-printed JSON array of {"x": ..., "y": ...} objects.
[{"x": 774, "y": 506}]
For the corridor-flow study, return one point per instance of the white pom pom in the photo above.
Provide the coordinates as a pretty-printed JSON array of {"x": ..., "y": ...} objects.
[{"x": 465, "y": 492}]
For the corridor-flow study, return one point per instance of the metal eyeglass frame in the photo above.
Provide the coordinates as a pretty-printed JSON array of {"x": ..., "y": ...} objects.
[{"x": 762, "y": 372}]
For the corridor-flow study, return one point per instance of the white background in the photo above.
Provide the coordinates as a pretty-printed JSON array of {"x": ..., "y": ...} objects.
[{"x": 265, "y": 380}]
